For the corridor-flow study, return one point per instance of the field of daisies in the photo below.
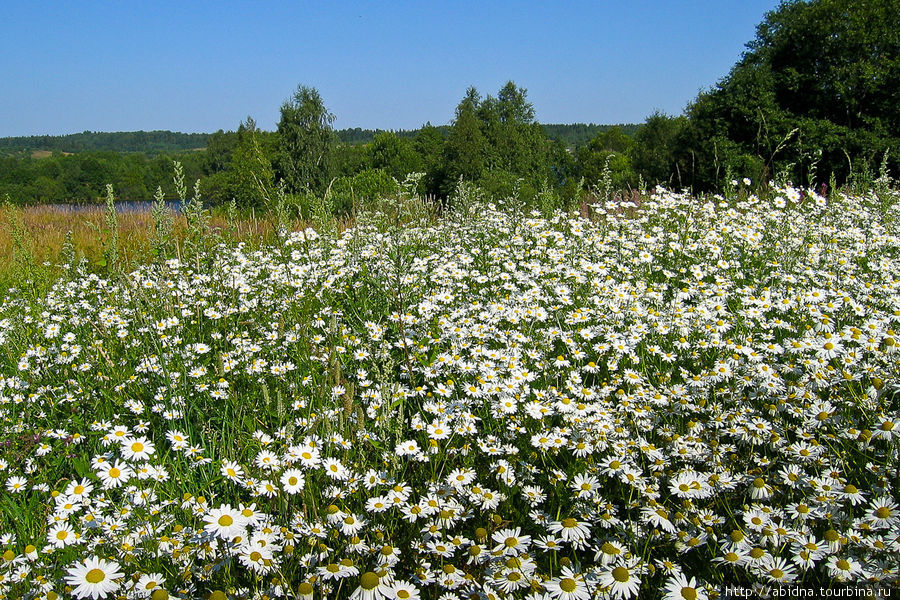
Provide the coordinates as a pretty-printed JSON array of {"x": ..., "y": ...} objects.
[{"x": 660, "y": 399}]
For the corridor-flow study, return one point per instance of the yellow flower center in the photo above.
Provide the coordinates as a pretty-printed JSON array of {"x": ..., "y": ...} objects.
[
  {"x": 621, "y": 574},
  {"x": 369, "y": 580},
  {"x": 95, "y": 576}
]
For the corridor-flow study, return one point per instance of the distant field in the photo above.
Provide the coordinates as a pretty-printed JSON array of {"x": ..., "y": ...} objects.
[{"x": 46, "y": 154}]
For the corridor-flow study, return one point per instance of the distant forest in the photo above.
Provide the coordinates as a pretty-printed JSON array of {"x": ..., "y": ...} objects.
[
  {"x": 148, "y": 142},
  {"x": 158, "y": 142},
  {"x": 231, "y": 164}
]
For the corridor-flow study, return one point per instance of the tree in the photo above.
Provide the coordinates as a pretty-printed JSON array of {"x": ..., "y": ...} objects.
[
  {"x": 464, "y": 152},
  {"x": 608, "y": 150},
  {"x": 817, "y": 83},
  {"x": 496, "y": 143},
  {"x": 653, "y": 152},
  {"x": 429, "y": 145},
  {"x": 305, "y": 141},
  {"x": 396, "y": 155},
  {"x": 251, "y": 177},
  {"x": 219, "y": 147}
]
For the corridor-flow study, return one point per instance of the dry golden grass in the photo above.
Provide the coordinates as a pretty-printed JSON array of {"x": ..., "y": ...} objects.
[{"x": 47, "y": 226}]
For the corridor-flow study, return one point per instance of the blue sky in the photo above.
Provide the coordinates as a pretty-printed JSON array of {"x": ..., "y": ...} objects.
[{"x": 200, "y": 66}]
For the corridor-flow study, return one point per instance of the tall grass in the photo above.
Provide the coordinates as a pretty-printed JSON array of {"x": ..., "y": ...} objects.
[{"x": 47, "y": 228}]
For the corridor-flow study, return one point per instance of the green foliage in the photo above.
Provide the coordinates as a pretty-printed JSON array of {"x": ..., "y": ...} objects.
[
  {"x": 305, "y": 142},
  {"x": 29, "y": 275},
  {"x": 219, "y": 148},
  {"x": 606, "y": 158},
  {"x": 395, "y": 155},
  {"x": 497, "y": 143},
  {"x": 111, "y": 245},
  {"x": 82, "y": 178},
  {"x": 464, "y": 152},
  {"x": 653, "y": 151},
  {"x": 149, "y": 142},
  {"x": 346, "y": 194},
  {"x": 251, "y": 176},
  {"x": 197, "y": 218},
  {"x": 576, "y": 135},
  {"x": 429, "y": 145},
  {"x": 348, "y": 159},
  {"x": 818, "y": 83},
  {"x": 163, "y": 226}
]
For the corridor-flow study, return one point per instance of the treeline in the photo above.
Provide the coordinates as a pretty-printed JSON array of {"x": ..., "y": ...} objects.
[
  {"x": 158, "y": 142},
  {"x": 495, "y": 142},
  {"x": 150, "y": 142},
  {"x": 572, "y": 135},
  {"x": 82, "y": 177},
  {"x": 504, "y": 148}
]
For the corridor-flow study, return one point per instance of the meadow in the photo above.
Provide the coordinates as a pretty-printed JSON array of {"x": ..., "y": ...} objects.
[{"x": 653, "y": 398}]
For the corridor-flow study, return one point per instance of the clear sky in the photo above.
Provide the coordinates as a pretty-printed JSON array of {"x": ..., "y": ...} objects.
[{"x": 194, "y": 66}]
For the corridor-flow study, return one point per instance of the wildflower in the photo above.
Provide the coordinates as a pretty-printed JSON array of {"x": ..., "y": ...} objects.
[
  {"x": 511, "y": 541},
  {"x": 568, "y": 586},
  {"x": 370, "y": 587},
  {"x": 137, "y": 448},
  {"x": 584, "y": 485},
  {"x": 114, "y": 475},
  {"x": 335, "y": 469},
  {"x": 402, "y": 590},
  {"x": 225, "y": 522},
  {"x": 570, "y": 529},
  {"x": 94, "y": 578},
  {"x": 293, "y": 481},
  {"x": 148, "y": 584},
  {"x": 777, "y": 570},
  {"x": 256, "y": 556},
  {"x": 79, "y": 489},
  {"x": 679, "y": 587},
  {"x": 16, "y": 484},
  {"x": 883, "y": 512},
  {"x": 61, "y": 535},
  {"x": 621, "y": 580},
  {"x": 232, "y": 471}
]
